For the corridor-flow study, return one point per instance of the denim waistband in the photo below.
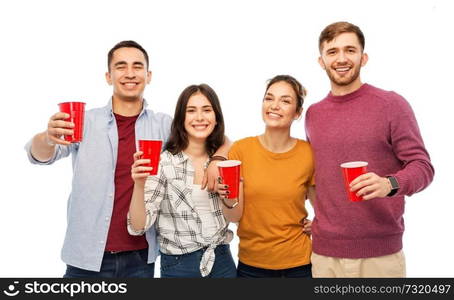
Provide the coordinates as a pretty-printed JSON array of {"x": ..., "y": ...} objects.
[
  {"x": 124, "y": 252},
  {"x": 201, "y": 250}
]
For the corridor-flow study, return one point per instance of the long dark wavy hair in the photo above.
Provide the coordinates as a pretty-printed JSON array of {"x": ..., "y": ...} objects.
[{"x": 178, "y": 140}]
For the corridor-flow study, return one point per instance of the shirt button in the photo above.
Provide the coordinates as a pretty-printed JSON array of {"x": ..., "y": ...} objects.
[
  {"x": 102, "y": 242},
  {"x": 111, "y": 195},
  {"x": 107, "y": 219}
]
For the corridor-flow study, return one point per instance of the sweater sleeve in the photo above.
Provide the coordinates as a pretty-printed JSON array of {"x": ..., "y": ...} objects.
[{"x": 417, "y": 171}]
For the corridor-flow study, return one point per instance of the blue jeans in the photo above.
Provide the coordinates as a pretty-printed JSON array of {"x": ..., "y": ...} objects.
[
  {"x": 187, "y": 265},
  {"x": 247, "y": 271},
  {"x": 117, "y": 265}
]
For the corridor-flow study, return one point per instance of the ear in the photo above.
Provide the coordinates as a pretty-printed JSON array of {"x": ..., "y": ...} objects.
[
  {"x": 364, "y": 59},
  {"x": 108, "y": 78},
  {"x": 148, "y": 77},
  {"x": 321, "y": 63}
]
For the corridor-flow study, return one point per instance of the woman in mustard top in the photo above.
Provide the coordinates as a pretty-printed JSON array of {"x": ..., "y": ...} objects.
[{"x": 277, "y": 172}]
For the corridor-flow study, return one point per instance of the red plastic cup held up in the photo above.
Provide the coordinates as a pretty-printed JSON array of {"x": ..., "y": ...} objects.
[
  {"x": 76, "y": 112},
  {"x": 151, "y": 150},
  {"x": 351, "y": 170},
  {"x": 230, "y": 173}
]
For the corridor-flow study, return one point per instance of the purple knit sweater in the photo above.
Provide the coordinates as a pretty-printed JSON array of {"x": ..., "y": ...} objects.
[{"x": 370, "y": 125}]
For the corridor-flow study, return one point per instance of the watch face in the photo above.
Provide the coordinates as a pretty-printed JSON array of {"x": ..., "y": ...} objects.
[
  {"x": 394, "y": 186},
  {"x": 393, "y": 182}
]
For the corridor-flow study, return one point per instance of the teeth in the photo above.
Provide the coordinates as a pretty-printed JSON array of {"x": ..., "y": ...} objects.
[
  {"x": 274, "y": 115},
  {"x": 342, "y": 69}
]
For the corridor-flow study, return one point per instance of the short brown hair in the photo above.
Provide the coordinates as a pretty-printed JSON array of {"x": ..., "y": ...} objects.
[
  {"x": 297, "y": 87},
  {"x": 126, "y": 44},
  {"x": 333, "y": 30}
]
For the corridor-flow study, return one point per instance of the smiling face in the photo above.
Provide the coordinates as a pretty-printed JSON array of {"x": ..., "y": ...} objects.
[
  {"x": 200, "y": 118},
  {"x": 342, "y": 59},
  {"x": 128, "y": 74},
  {"x": 279, "y": 107}
]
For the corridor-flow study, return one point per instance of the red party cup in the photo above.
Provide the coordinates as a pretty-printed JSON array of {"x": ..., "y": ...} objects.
[
  {"x": 351, "y": 170},
  {"x": 151, "y": 150},
  {"x": 230, "y": 173},
  {"x": 76, "y": 111}
]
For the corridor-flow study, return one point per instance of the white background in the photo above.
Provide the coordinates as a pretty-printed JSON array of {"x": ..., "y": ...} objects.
[{"x": 55, "y": 51}]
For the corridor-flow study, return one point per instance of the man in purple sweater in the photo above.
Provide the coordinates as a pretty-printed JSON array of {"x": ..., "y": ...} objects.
[{"x": 359, "y": 122}]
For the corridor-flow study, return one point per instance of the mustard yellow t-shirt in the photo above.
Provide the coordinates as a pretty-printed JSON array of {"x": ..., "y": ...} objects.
[{"x": 275, "y": 184}]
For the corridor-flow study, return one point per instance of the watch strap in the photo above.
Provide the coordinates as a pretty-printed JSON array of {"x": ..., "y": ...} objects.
[{"x": 394, "y": 186}]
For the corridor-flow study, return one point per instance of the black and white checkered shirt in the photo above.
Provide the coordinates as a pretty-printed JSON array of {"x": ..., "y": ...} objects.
[{"x": 168, "y": 201}]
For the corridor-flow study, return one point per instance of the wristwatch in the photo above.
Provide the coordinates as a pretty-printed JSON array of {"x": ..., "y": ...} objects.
[{"x": 394, "y": 186}]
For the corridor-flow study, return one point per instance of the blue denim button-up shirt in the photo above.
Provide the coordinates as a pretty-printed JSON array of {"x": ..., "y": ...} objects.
[{"x": 90, "y": 203}]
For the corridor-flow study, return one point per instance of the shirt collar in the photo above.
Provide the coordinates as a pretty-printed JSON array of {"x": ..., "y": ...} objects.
[
  {"x": 109, "y": 109},
  {"x": 180, "y": 158}
]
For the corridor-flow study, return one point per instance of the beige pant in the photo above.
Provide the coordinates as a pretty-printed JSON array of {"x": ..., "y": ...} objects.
[{"x": 383, "y": 266}]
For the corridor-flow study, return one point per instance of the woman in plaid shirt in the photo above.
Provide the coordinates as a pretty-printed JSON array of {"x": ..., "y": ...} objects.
[{"x": 192, "y": 224}]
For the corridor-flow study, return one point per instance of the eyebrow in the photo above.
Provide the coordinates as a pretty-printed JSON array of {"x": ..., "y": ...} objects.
[
  {"x": 205, "y": 106},
  {"x": 119, "y": 63},
  {"x": 122, "y": 62},
  {"x": 284, "y": 96},
  {"x": 348, "y": 46}
]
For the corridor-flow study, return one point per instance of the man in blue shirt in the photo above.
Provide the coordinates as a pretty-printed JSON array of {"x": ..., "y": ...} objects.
[{"x": 97, "y": 243}]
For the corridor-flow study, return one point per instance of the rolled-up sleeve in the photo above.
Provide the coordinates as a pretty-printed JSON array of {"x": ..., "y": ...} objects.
[{"x": 60, "y": 152}]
